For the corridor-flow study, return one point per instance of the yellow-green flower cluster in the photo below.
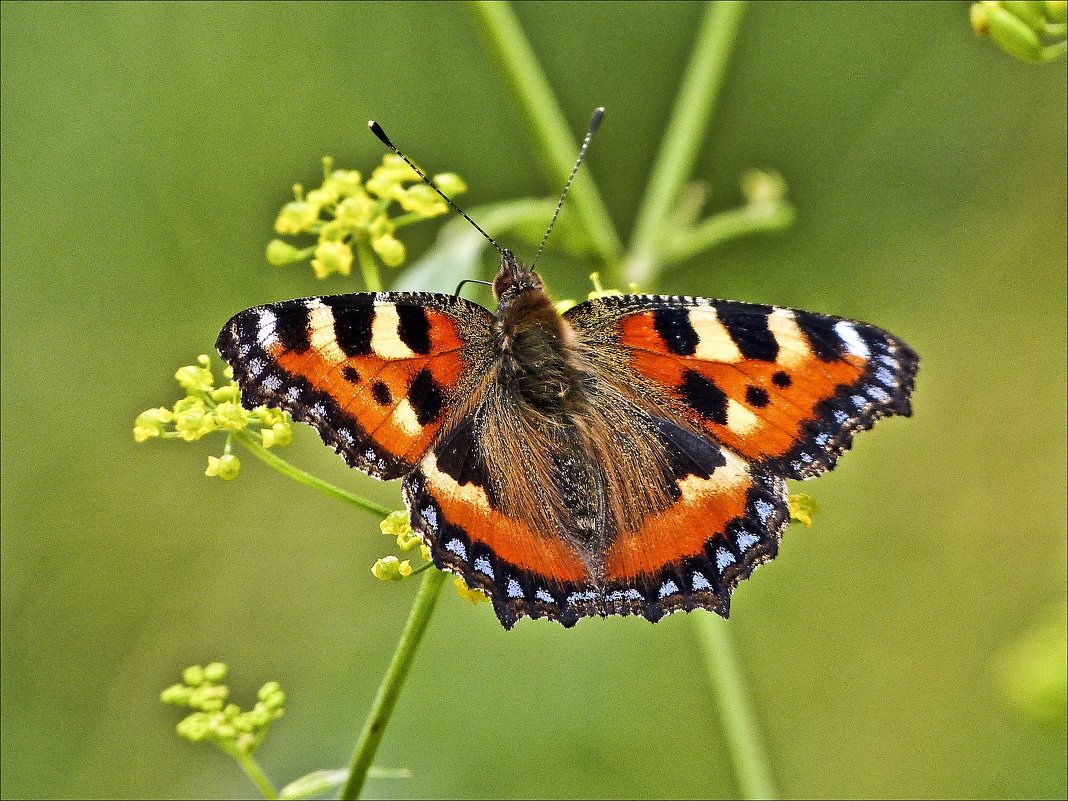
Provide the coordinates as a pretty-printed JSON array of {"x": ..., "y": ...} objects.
[
  {"x": 215, "y": 720},
  {"x": 1032, "y": 30},
  {"x": 392, "y": 568},
  {"x": 206, "y": 409},
  {"x": 802, "y": 508},
  {"x": 347, "y": 213}
]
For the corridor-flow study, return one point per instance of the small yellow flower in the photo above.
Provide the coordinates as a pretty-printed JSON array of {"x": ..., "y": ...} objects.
[
  {"x": 395, "y": 524},
  {"x": 473, "y": 595},
  {"x": 231, "y": 416},
  {"x": 390, "y": 568},
  {"x": 390, "y": 250},
  {"x": 332, "y": 257},
  {"x": 280, "y": 253},
  {"x": 196, "y": 379},
  {"x": 150, "y": 423},
  {"x": 192, "y": 419},
  {"x": 450, "y": 184},
  {"x": 802, "y": 508},
  {"x": 345, "y": 183},
  {"x": 423, "y": 200},
  {"x": 227, "y": 467},
  {"x": 278, "y": 434},
  {"x": 296, "y": 217},
  {"x": 325, "y": 195},
  {"x": 355, "y": 211}
]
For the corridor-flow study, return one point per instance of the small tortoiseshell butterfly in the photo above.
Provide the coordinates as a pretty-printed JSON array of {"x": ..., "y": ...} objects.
[{"x": 629, "y": 456}]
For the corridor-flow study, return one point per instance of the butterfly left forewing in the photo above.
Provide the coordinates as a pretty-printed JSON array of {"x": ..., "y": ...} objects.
[{"x": 376, "y": 374}]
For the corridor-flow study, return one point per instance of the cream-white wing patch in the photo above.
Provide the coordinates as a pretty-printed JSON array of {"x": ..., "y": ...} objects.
[
  {"x": 794, "y": 349},
  {"x": 404, "y": 418},
  {"x": 385, "y": 334},
  {"x": 740, "y": 419},
  {"x": 447, "y": 485},
  {"x": 714, "y": 342},
  {"x": 321, "y": 332},
  {"x": 724, "y": 479}
]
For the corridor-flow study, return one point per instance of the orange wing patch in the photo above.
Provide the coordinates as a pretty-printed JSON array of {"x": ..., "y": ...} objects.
[
  {"x": 704, "y": 508},
  {"x": 467, "y": 507}
]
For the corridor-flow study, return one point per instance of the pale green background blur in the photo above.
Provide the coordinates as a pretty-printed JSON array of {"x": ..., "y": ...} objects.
[{"x": 146, "y": 149}]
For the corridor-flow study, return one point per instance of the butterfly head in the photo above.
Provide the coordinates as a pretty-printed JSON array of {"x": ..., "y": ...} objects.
[{"x": 513, "y": 279}]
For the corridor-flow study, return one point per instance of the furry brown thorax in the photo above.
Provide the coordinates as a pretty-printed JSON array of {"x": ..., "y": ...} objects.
[{"x": 536, "y": 345}]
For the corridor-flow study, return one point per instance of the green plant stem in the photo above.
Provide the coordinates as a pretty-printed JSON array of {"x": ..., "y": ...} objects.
[
  {"x": 388, "y": 691},
  {"x": 685, "y": 130},
  {"x": 555, "y": 139},
  {"x": 723, "y": 227},
  {"x": 740, "y": 729},
  {"x": 372, "y": 281},
  {"x": 252, "y": 769},
  {"x": 307, "y": 479}
]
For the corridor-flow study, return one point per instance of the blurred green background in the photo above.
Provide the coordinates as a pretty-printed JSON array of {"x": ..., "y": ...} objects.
[{"x": 146, "y": 150}]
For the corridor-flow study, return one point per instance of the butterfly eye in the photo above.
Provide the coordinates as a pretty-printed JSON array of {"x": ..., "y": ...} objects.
[{"x": 502, "y": 283}]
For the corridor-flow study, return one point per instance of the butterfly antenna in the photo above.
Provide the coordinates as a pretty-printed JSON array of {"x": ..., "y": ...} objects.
[
  {"x": 376, "y": 129},
  {"x": 595, "y": 123}
]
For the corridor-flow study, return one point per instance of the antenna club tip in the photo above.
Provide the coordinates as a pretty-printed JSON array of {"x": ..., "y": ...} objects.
[
  {"x": 376, "y": 129},
  {"x": 595, "y": 121}
]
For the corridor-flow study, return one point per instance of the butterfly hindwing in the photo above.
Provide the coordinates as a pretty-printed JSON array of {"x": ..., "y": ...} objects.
[
  {"x": 784, "y": 388},
  {"x": 374, "y": 373},
  {"x": 454, "y": 507},
  {"x": 719, "y": 519}
]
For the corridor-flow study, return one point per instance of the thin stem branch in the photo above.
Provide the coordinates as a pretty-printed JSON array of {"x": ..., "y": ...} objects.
[
  {"x": 725, "y": 226},
  {"x": 372, "y": 281},
  {"x": 694, "y": 105},
  {"x": 386, "y": 698},
  {"x": 307, "y": 479},
  {"x": 740, "y": 728},
  {"x": 554, "y": 138},
  {"x": 252, "y": 769}
]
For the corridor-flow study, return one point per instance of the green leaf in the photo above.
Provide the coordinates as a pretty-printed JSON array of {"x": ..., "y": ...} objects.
[
  {"x": 321, "y": 782},
  {"x": 318, "y": 782}
]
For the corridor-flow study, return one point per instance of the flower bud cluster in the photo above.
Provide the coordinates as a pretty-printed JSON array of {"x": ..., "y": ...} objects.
[
  {"x": 215, "y": 720},
  {"x": 1032, "y": 30},
  {"x": 347, "y": 213},
  {"x": 206, "y": 409}
]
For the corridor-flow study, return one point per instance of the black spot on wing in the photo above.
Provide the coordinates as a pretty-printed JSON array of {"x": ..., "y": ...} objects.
[
  {"x": 747, "y": 323},
  {"x": 782, "y": 379},
  {"x": 381, "y": 393},
  {"x": 291, "y": 326},
  {"x": 822, "y": 337},
  {"x": 350, "y": 375},
  {"x": 704, "y": 397},
  {"x": 353, "y": 315},
  {"x": 414, "y": 328},
  {"x": 426, "y": 397},
  {"x": 757, "y": 397},
  {"x": 673, "y": 325}
]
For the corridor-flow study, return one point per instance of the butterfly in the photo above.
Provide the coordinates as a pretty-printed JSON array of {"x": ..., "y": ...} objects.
[{"x": 628, "y": 456}]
